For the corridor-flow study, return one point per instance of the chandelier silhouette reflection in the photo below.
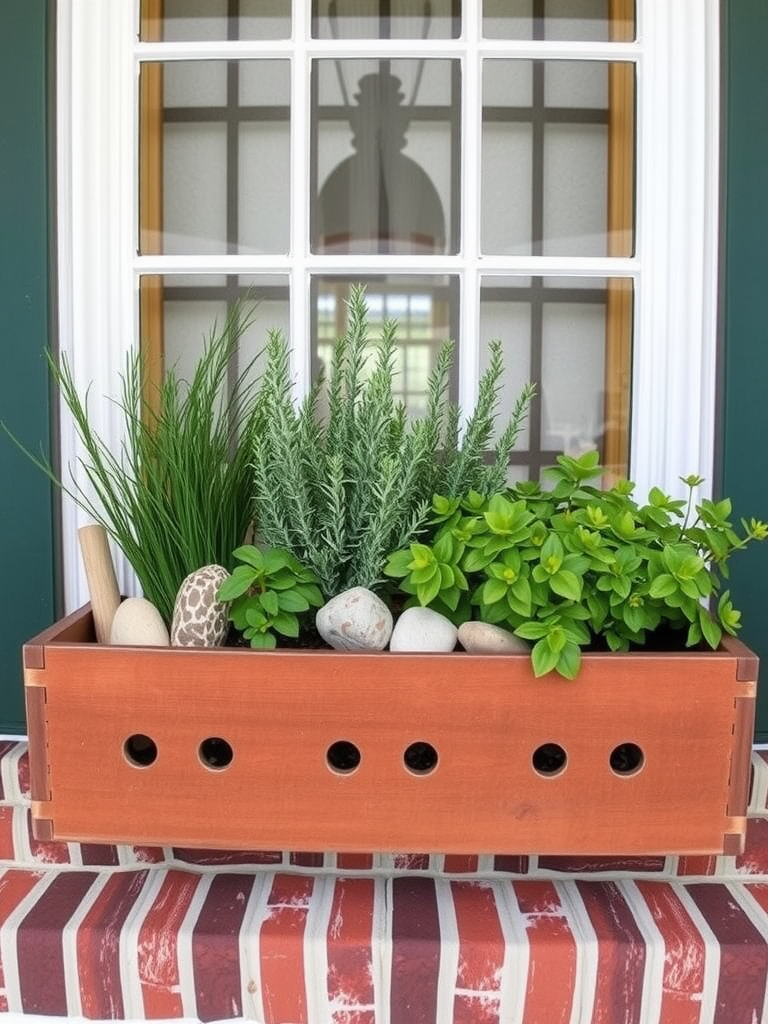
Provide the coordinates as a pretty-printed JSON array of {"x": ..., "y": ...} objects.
[{"x": 379, "y": 200}]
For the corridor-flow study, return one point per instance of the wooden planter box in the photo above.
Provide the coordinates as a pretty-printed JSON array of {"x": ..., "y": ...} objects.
[{"x": 319, "y": 750}]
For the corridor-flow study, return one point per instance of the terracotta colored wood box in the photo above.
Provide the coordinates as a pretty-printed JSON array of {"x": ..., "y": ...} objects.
[{"x": 319, "y": 750}]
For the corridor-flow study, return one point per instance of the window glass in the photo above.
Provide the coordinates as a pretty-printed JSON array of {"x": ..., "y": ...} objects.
[
  {"x": 425, "y": 309},
  {"x": 222, "y": 137},
  {"x": 549, "y": 159},
  {"x": 381, "y": 158},
  {"x": 385, "y": 156},
  {"x": 588, "y": 20},
  {"x": 559, "y": 333},
  {"x": 179, "y": 312},
  {"x": 186, "y": 20},
  {"x": 385, "y": 19}
]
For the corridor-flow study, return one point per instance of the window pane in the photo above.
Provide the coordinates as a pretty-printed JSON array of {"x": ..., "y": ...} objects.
[
  {"x": 385, "y": 19},
  {"x": 220, "y": 133},
  {"x": 572, "y": 337},
  {"x": 425, "y": 309},
  {"x": 183, "y": 20},
  {"x": 557, "y": 158},
  {"x": 593, "y": 20},
  {"x": 385, "y": 156},
  {"x": 178, "y": 314}
]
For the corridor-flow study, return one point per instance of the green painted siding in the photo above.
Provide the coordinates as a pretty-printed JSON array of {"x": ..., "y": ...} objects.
[
  {"x": 26, "y": 531},
  {"x": 745, "y": 360}
]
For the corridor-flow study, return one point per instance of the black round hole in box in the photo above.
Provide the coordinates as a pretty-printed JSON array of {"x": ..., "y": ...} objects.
[
  {"x": 216, "y": 753},
  {"x": 549, "y": 759},
  {"x": 420, "y": 758},
  {"x": 627, "y": 758},
  {"x": 343, "y": 757},
  {"x": 140, "y": 750}
]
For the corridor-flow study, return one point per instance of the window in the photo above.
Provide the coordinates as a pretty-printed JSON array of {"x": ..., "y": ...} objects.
[{"x": 488, "y": 170}]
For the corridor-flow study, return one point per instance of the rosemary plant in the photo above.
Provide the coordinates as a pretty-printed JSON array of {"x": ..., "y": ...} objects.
[
  {"x": 178, "y": 495},
  {"x": 344, "y": 490}
]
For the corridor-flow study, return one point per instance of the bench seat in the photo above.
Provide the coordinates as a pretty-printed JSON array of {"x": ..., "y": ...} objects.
[{"x": 127, "y": 932}]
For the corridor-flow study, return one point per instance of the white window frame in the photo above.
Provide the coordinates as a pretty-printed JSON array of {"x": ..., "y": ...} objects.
[{"x": 675, "y": 269}]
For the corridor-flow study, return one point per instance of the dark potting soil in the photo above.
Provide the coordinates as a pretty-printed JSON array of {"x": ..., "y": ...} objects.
[
  {"x": 661, "y": 641},
  {"x": 309, "y": 639}
]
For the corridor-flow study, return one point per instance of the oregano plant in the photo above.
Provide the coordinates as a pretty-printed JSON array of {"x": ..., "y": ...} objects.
[
  {"x": 576, "y": 566},
  {"x": 268, "y": 592}
]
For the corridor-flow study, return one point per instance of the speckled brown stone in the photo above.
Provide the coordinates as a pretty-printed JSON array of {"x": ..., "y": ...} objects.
[{"x": 199, "y": 620}]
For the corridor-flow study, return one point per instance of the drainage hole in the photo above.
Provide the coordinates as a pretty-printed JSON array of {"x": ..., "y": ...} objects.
[
  {"x": 626, "y": 759},
  {"x": 216, "y": 753},
  {"x": 140, "y": 750},
  {"x": 343, "y": 757},
  {"x": 549, "y": 759},
  {"x": 420, "y": 758}
]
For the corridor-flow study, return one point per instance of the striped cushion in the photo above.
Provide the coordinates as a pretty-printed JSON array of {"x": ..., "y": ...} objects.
[
  {"x": 137, "y": 932},
  {"x": 285, "y": 948}
]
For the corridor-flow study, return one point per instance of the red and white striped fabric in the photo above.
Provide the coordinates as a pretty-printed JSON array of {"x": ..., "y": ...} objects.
[
  {"x": 286, "y": 949},
  {"x": 110, "y": 932}
]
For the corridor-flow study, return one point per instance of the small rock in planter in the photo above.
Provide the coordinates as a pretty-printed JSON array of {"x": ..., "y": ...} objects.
[
  {"x": 355, "y": 620},
  {"x": 486, "y": 638},
  {"x": 422, "y": 629},
  {"x": 137, "y": 623},
  {"x": 199, "y": 620}
]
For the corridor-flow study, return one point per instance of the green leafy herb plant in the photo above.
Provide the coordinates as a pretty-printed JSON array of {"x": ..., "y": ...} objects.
[
  {"x": 268, "y": 592},
  {"x": 575, "y": 566}
]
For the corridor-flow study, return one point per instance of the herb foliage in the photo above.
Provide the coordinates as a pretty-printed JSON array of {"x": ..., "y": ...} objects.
[
  {"x": 573, "y": 565},
  {"x": 341, "y": 490},
  {"x": 268, "y": 592},
  {"x": 178, "y": 494}
]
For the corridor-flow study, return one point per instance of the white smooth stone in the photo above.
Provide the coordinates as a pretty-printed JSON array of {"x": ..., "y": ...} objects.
[
  {"x": 487, "y": 638},
  {"x": 355, "y": 620},
  {"x": 137, "y": 623},
  {"x": 423, "y": 629}
]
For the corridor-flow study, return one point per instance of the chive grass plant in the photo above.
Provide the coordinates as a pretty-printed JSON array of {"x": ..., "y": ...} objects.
[
  {"x": 341, "y": 490},
  {"x": 178, "y": 494}
]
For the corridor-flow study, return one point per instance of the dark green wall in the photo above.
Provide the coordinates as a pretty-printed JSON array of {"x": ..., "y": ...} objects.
[
  {"x": 26, "y": 562},
  {"x": 745, "y": 349}
]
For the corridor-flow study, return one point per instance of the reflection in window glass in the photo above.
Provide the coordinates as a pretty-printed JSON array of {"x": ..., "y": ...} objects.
[
  {"x": 194, "y": 188},
  {"x": 385, "y": 19},
  {"x": 572, "y": 374},
  {"x": 425, "y": 312},
  {"x": 587, "y": 20},
  {"x": 572, "y": 337},
  {"x": 187, "y": 20},
  {"x": 385, "y": 156},
  {"x": 384, "y": 136},
  {"x": 557, "y": 159},
  {"x": 179, "y": 311},
  {"x": 222, "y": 138}
]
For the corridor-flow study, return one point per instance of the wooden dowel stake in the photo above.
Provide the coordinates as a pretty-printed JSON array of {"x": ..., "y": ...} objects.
[{"x": 100, "y": 574}]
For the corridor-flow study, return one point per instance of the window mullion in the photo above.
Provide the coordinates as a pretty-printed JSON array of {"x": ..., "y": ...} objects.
[
  {"x": 384, "y": 48},
  {"x": 561, "y": 266},
  {"x": 471, "y": 128},
  {"x": 300, "y": 313}
]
